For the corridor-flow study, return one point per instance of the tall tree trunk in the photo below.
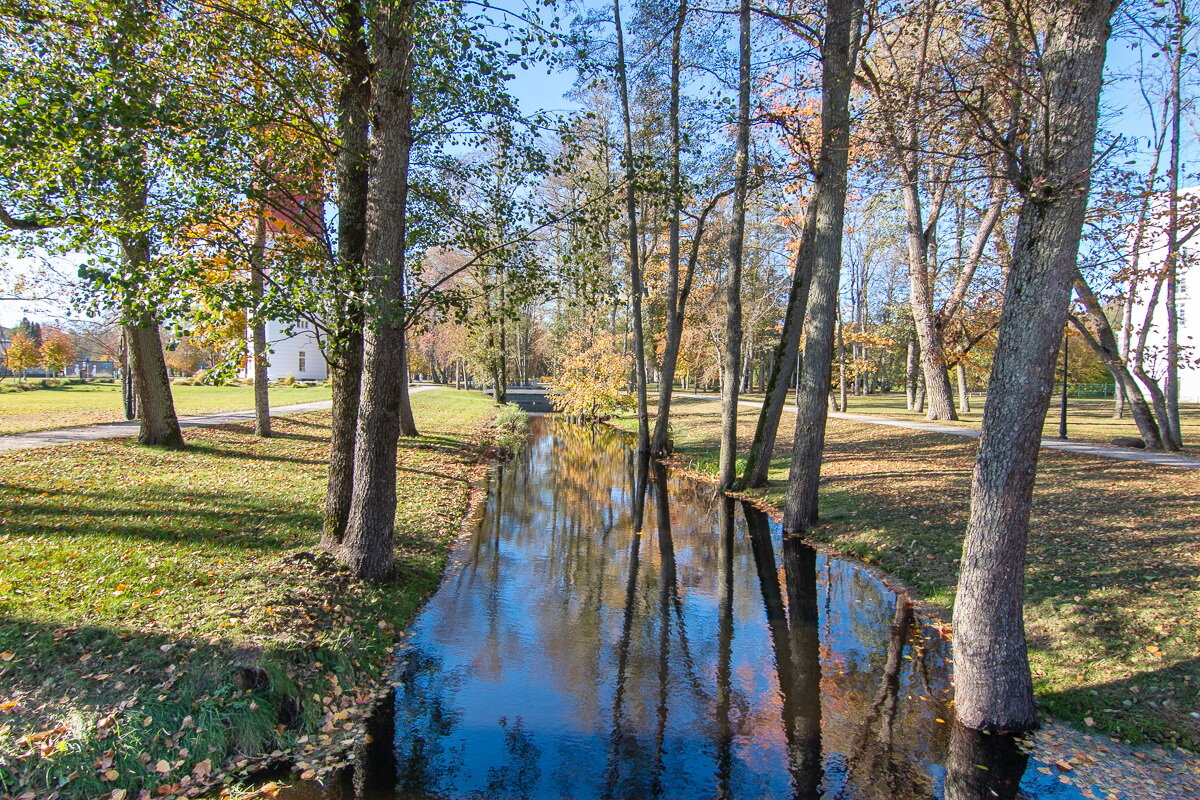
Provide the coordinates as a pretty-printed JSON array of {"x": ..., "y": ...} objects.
[
  {"x": 841, "y": 346},
  {"x": 636, "y": 289},
  {"x": 258, "y": 328},
  {"x": 964, "y": 398},
  {"x": 367, "y": 545},
  {"x": 1171, "y": 379},
  {"x": 910, "y": 376},
  {"x": 345, "y": 347},
  {"x": 674, "y": 322},
  {"x": 994, "y": 689},
  {"x": 151, "y": 388},
  {"x": 345, "y": 377},
  {"x": 128, "y": 395},
  {"x": 783, "y": 364},
  {"x": 843, "y": 21},
  {"x": 929, "y": 333},
  {"x": 1104, "y": 343},
  {"x": 727, "y": 465}
]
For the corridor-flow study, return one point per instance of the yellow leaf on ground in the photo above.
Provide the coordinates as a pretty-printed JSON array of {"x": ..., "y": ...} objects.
[
  {"x": 7, "y": 655},
  {"x": 162, "y": 767}
]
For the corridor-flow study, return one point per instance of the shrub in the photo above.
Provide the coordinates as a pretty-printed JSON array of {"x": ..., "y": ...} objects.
[{"x": 510, "y": 426}]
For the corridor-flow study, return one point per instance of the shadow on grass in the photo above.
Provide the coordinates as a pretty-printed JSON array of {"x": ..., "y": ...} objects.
[
  {"x": 202, "y": 448},
  {"x": 178, "y": 516},
  {"x": 1150, "y": 704}
]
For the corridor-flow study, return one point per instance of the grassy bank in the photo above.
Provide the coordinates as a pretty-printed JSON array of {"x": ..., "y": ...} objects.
[
  {"x": 165, "y": 617},
  {"x": 1088, "y": 419},
  {"x": 91, "y": 403},
  {"x": 1113, "y": 582}
]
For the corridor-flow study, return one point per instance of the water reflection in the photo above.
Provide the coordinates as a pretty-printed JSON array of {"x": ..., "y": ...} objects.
[{"x": 618, "y": 632}]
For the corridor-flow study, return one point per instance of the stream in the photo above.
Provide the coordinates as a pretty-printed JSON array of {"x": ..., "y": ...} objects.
[{"x": 573, "y": 653}]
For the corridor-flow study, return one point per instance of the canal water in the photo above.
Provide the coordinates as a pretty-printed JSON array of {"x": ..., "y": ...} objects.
[{"x": 612, "y": 630}]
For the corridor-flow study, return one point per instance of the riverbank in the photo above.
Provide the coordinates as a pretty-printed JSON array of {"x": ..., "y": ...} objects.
[
  {"x": 1111, "y": 588},
  {"x": 166, "y": 619}
]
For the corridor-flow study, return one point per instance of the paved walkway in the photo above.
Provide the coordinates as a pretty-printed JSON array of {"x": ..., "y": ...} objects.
[
  {"x": 118, "y": 430},
  {"x": 1086, "y": 448}
]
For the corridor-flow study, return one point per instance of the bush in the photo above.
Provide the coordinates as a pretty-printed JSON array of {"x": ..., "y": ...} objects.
[
  {"x": 510, "y": 427},
  {"x": 287, "y": 381}
]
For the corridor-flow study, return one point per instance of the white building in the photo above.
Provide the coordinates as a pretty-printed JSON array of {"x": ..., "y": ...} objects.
[
  {"x": 1187, "y": 302},
  {"x": 298, "y": 355}
]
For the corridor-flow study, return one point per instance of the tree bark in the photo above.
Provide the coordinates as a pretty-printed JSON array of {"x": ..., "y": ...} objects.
[
  {"x": 636, "y": 289},
  {"x": 1104, "y": 343},
  {"x": 674, "y": 322},
  {"x": 1171, "y": 380},
  {"x": 258, "y": 328},
  {"x": 151, "y": 387},
  {"x": 783, "y": 365},
  {"x": 367, "y": 546},
  {"x": 727, "y": 464},
  {"x": 345, "y": 349},
  {"x": 964, "y": 399},
  {"x": 128, "y": 396},
  {"x": 345, "y": 376},
  {"x": 839, "y": 53},
  {"x": 994, "y": 689},
  {"x": 910, "y": 375},
  {"x": 929, "y": 332}
]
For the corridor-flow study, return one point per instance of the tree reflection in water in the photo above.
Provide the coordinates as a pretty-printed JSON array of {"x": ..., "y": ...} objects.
[{"x": 590, "y": 647}]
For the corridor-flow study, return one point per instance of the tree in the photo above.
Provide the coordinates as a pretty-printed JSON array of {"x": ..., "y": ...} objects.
[
  {"x": 727, "y": 467},
  {"x": 934, "y": 152},
  {"x": 636, "y": 286},
  {"x": 95, "y": 103},
  {"x": 22, "y": 354},
  {"x": 1061, "y": 46},
  {"x": 383, "y": 415},
  {"x": 839, "y": 53},
  {"x": 57, "y": 351},
  {"x": 591, "y": 384}
]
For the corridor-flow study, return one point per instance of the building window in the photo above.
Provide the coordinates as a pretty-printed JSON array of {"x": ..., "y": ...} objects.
[{"x": 300, "y": 366}]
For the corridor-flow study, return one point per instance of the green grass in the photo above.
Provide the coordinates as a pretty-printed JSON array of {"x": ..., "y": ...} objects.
[
  {"x": 1088, "y": 420},
  {"x": 1113, "y": 575},
  {"x": 134, "y": 582},
  {"x": 88, "y": 404}
]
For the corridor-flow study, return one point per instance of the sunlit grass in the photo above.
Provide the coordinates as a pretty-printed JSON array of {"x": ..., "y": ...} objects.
[
  {"x": 135, "y": 582},
  {"x": 88, "y": 404}
]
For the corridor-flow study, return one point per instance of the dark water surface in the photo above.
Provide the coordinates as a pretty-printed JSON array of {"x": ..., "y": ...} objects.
[{"x": 570, "y": 656}]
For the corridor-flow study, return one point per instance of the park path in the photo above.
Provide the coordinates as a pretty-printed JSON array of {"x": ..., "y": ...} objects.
[
  {"x": 1084, "y": 448},
  {"x": 118, "y": 430}
]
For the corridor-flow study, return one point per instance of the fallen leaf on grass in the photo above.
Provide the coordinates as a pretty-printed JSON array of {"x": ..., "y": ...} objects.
[
  {"x": 7, "y": 655},
  {"x": 162, "y": 767}
]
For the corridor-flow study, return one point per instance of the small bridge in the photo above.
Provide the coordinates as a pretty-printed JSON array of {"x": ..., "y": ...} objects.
[{"x": 530, "y": 398}]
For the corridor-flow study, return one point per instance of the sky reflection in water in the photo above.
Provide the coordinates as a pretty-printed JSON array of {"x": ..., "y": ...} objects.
[{"x": 706, "y": 656}]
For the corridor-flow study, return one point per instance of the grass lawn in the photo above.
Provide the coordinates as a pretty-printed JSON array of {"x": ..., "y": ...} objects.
[
  {"x": 165, "y": 617},
  {"x": 88, "y": 404},
  {"x": 1113, "y": 581},
  {"x": 1088, "y": 420}
]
